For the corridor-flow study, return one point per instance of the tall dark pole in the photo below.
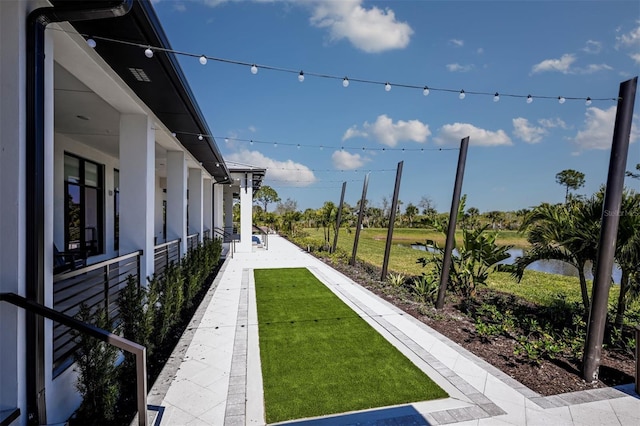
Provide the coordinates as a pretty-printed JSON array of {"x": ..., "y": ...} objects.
[
  {"x": 392, "y": 219},
  {"x": 453, "y": 219},
  {"x": 339, "y": 218},
  {"x": 609, "y": 230},
  {"x": 360, "y": 215}
]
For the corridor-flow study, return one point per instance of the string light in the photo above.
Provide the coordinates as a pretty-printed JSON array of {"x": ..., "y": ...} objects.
[
  {"x": 91, "y": 42},
  {"x": 203, "y": 60},
  {"x": 149, "y": 51},
  {"x": 561, "y": 100},
  {"x": 301, "y": 77},
  {"x": 387, "y": 87},
  {"x": 462, "y": 94},
  {"x": 200, "y": 137},
  {"x": 496, "y": 97}
]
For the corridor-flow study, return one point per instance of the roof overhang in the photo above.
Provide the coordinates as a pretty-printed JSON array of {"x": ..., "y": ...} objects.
[{"x": 167, "y": 93}]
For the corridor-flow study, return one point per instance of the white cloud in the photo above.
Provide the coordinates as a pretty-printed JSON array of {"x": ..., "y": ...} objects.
[
  {"x": 456, "y": 42},
  {"x": 452, "y": 134},
  {"x": 553, "y": 122},
  {"x": 459, "y": 68},
  {"x": 342, "y": 160},
  {"x": 480, "y": 51},
  {"x": 635, "y": 57},
  {"x": 630, "y": 39},
  {"x": 288, "y": 171},
  {"x": 372, "y": 30},
  {"x": 252, "y": 129},
  {"x": 527, "y": 132},
  {"x": 562, "y": 65},
  {"x": 385, "y": 131},
  {"x": 591, "y": 68},
  {"x": 592, "y": 47},
  {"x": 597, "y": 132},
  {"x": 354, "y": 132}
]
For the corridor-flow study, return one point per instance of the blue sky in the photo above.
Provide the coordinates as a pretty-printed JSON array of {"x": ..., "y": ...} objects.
[{"x": 543, "y": 48}]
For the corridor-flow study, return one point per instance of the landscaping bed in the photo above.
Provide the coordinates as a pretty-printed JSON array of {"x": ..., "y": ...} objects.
[{"x": 545, "y": 376}]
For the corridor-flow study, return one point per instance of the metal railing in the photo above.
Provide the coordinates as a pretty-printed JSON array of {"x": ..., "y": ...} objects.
[
  {"x": 192, "y": 241},
  {"x": 226, "y": 238},
  {"x": 265, "y": 239},
  {"x": 67, "y": 321},
  {"x": 96, "y": 285},
  {"x": 206, "y": 234},
  {"x": 164, "y": 254}
]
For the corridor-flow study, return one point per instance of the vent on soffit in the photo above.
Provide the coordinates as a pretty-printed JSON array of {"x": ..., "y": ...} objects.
[{"x": 140, "y": 75}]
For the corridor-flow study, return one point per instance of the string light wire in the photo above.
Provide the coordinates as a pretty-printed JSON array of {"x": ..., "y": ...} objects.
[{"x": 147, "y": 49}]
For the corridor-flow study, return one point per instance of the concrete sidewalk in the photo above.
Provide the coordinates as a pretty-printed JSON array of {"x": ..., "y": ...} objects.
[{"x": 214, "y": 376}]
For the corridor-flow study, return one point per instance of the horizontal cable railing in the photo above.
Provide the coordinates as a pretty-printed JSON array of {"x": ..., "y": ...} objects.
[
  {"x": 226, "y": 238},
  {"x": 165, "y": 254},
  {"x": 97, "y": 286},
  {"x": 192, "y": 241},
  {"x": 206, "y": 234},
  {"x": 69, "y": 322}
]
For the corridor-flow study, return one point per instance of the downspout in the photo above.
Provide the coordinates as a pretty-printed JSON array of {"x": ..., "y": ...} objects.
[{"x": 37, "y": 22}]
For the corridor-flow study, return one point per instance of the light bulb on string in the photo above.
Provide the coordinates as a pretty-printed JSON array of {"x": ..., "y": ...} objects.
[
  {"x": 345, "y": 82},
  {"x": 462, "y": 95},
  {"x": 387, "y": 87},
  {"x": 298, "y": 146},
  {"x": 148, "y": 52},
  {"x": 251, "y": 142},
  {"x": 217, "y": 164},
  {"x": 254, "y": 69},
  {"x": 529, "y": 99},
  {"x": 321, "y": 147},
  {"x": 588, "y": 101},
  {"x": 561, "y": 100},
  {"x": 275, "y": 145},
  {"x": 301, "y": 77},
  {"x": 91, "y": 43},
  {"x": 226, "y": 140},
  {"x": 425, "y": 91},
  {"x": 496, "y": 97},
  {"x": 200, "y": 137},
  {"x": 203, "y": 60}
]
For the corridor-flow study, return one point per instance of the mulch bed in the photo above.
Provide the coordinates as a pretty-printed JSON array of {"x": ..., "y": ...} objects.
[{"x": 548, "y": 377}]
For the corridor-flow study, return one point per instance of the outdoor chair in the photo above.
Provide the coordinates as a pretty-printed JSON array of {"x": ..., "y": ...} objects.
[{"x": 64, "y": 261}]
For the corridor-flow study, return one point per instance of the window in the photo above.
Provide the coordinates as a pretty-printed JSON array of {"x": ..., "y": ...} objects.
[
  {"x": 116, "y": 209},
  {"x": 84, "y": 207}
]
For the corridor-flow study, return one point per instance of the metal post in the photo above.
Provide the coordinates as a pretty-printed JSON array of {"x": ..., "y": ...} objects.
[
  {"x": 609, "y": 231},
  {"x": 392, "y": 219},
  {"x": 339, "y": 218},
  {"x": 638, "y": 359},
  {"x": 453, "y": 218},
  {"x": 363, "y": 200}
]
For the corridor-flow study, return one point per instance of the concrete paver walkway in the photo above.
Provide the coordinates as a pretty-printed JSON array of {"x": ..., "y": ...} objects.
[{"x": 214, "y": 376}]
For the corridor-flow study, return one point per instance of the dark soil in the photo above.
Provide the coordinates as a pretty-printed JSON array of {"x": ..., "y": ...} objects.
[{"x": 546, "y": 376}]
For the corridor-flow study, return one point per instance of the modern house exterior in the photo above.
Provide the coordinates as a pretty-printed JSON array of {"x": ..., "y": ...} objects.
[{"x": 106, "y": 162}]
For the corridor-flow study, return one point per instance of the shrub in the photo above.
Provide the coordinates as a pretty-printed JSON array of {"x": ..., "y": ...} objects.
[
  {"x": 396, "y": 279},
  {"x": 425, "y": 288},
  {"x": 95, "y": 360}
]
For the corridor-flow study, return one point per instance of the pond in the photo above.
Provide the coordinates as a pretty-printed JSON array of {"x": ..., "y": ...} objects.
[{"x": 548, "y": 266}]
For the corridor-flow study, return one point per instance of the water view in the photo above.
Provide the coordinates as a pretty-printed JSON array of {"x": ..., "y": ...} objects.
[{"x": 548, "y": 266}]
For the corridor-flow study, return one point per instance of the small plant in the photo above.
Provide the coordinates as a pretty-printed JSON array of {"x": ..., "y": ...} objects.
[
  {"x": 535, "y": 350},
  {"x": 97, "y": 378},
  {"x": 425, "y": 288},
  {"x": 396, "y": 279}
]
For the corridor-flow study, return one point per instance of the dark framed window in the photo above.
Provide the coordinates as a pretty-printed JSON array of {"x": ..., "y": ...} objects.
[
  {"x": 116, "y": 209},
  {"x": 84, "y": 207}
]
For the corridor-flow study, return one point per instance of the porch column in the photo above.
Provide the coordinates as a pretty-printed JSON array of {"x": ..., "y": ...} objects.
[
  {"x": 207, "y": 206},
  {"x": 195, "y": 209},
  {"x": 228, "y": 209},
  {"x": 177, "y": 198},
  {"x": 137, "y": 189},
  {"x": 218, "y": 191},
  {"x": 13, "y": 365},
  {"x": 246, "y": 210}
]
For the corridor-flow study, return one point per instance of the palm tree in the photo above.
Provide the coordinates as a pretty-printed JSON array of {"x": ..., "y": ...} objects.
[{"x": 568, "y": 233}]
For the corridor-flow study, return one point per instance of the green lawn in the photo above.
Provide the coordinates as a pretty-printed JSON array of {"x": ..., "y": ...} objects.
[{"x": 319, "y": 357}]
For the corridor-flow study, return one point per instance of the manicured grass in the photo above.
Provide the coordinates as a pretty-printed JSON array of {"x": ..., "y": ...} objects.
[{"x": 319, "y": 357}]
